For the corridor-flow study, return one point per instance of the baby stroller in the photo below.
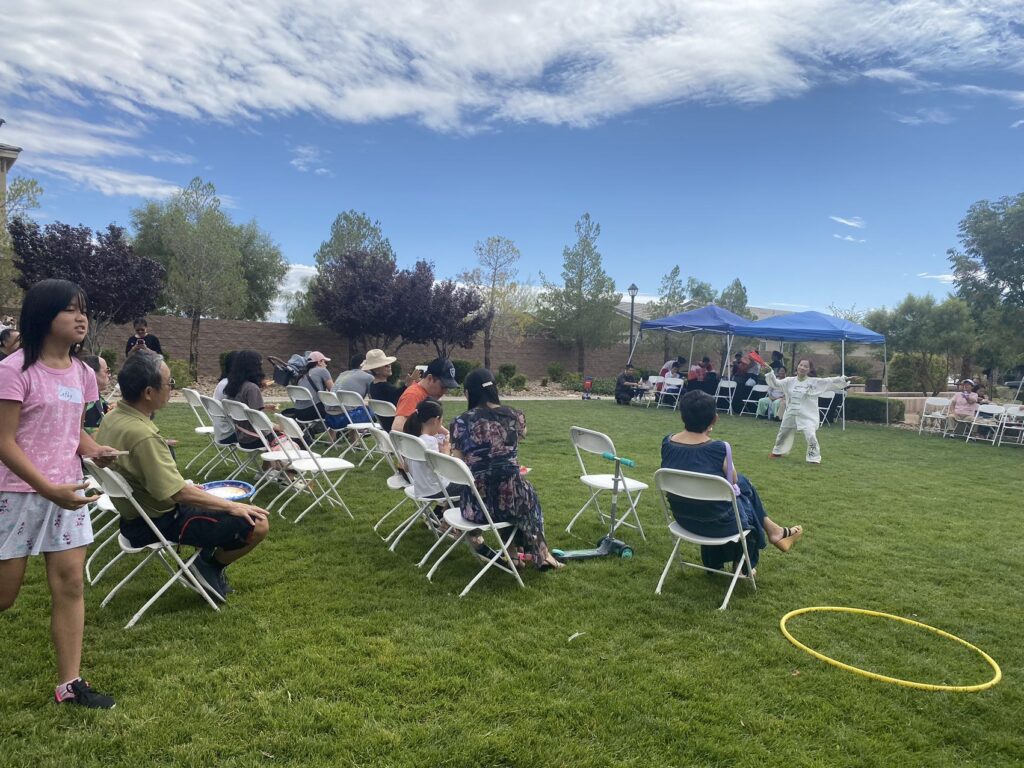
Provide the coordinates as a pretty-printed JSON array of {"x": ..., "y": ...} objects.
[{"x": 588, "y": 385}]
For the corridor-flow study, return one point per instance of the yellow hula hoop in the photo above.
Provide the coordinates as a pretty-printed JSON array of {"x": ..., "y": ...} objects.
[{"x": 885, "y": 678}]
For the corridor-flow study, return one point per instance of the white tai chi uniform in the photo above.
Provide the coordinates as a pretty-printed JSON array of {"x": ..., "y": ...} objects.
[{"x": 802, "y": 410}]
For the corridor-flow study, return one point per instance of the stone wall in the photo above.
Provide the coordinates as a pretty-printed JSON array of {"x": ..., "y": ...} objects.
[{"x": 531, "y": 356}]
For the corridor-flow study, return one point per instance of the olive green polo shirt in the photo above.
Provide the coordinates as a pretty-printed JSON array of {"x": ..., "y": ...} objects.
[{"x": 149, "y": 467}]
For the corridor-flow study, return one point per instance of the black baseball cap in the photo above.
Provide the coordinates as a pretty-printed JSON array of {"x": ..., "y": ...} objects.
[{"x": 442, "y": 368}]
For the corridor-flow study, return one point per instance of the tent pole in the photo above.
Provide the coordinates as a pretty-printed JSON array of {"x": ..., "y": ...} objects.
[
  {"x": 885, "y": 378},
  {"x": 842, "y": 366},
  {"x": 693, "y": 339},
  {"x": 633, "y": 348}
]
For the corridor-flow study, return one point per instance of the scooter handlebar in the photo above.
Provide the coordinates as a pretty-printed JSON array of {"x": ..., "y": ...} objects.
[{"x": 622, "y": 460}]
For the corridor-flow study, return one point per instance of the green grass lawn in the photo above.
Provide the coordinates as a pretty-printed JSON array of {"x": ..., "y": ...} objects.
[{"x": 334, "y": 651}]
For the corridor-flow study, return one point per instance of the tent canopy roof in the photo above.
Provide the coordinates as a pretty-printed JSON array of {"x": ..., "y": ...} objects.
[
  {"x": 809, "y": 326},
  {"x": 709, "y": 319}
]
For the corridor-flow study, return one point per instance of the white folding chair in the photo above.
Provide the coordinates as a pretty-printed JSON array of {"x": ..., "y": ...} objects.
[
  {"x": 824, "y": 405},
  {"x": 724, "y": 392},
  {"x": 674, "y": 384},
  {"x": 454, "y": 471},
  {"x": 753, "y": 396},
  {"x": 411, "y": 448},
  {"x": 381, "y": 409},
  {"x": 699, "y": 487},
  {"x": 351, "y": 402},
  {"x": 986, "y": 423},
  {"x": 280, "y": 453},
  {"x": 302, "y": 399},
  {"x": 599, "y": 443},
  {"x": 204, "y": 428},
  {"x": 934, "y": 414},
  {"x": 397, "y": 481},
  {"x": 313, "y": 470},
  {"x": 102, "y": 517},
  {"x": 116, "y": 487},
  {"x": 1012, "y": 429},
  {"x": 225, "y": 451},
  {"x": 235, "y": 411},
  {"x": 654, "y": 393}
]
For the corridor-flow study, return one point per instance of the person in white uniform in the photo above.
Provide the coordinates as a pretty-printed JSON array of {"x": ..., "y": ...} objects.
[{"x": 801, "y": 413}]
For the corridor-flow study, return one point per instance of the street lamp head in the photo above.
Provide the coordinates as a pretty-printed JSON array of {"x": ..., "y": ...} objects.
[{"x": 632, "y": 290}]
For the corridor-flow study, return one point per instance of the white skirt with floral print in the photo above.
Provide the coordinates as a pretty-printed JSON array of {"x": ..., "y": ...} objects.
[{"x": 30, "y": 524}]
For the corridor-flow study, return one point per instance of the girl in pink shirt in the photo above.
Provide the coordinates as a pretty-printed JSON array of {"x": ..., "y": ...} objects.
[{"x": 43, "y": 393}]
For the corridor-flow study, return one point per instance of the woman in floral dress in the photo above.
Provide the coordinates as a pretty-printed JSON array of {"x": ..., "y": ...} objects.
[{"x": 487, "y": 437}]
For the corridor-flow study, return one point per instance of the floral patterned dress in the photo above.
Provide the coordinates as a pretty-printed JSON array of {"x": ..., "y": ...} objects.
[{"x": 488, "y": 439}]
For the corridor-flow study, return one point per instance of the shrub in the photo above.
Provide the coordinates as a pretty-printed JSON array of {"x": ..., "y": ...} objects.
[
  {"x": 572, "y": 381},
  {"x": 505, "y": 374},
  {"x": 179, "y": 372},
  {"x": 873, "y": 409},
  {"x": 543, "y": 382},
  {"x": 111, "y": 357},
  {"x": 517, "y": 382},
  {"x": 396, "y": 372},
  {"x": 556, "y": 371},
  {"x": 907, "y": 374},
  {"x": 462, "y": 367}
]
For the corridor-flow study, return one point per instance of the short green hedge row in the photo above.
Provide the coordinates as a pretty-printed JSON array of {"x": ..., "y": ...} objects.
[{"x": 860, "y": 408}]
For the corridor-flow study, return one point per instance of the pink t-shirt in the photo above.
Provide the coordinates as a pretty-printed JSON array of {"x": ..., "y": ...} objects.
[{"x": 52, "y": 402}]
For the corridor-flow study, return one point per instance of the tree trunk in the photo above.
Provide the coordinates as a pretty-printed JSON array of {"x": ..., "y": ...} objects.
[
  {"x": 580, "y": 355},
  {"x": 193, "y": 348},
  {"x": 488, "y": 337},
  {"x": 351, "y": 349}
]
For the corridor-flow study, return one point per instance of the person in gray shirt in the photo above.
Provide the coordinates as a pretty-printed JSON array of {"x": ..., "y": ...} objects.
[{"x": 355, "y": 379}]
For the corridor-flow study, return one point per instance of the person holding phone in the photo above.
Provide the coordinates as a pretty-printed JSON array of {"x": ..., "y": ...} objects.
[{"x": 142, "y": 339}]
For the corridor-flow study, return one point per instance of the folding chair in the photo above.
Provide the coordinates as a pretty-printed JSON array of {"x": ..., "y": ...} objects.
[
  {"x": 724, "y": 392},
  {"x": 314, "y": 470},
  {"x": 988, "y": 417},
  {"x": 935, "y": 409},
  {"x": 99, "y": 510},
  {"x": 281, "y": 452},
  {"x": 597, "y": 442},
  {"x": 676, "y": 385},
  {"x": 756, "y": 393},
  {"x": 226, "y": 451},
  {"x": 454, "y": 471},
  {"x": 397, "y": 481},
  {"x": 411, "y": 448},
  {"x": 192, "y": 398},
  {"x": 654, "y": 393},
  {"x": 116, "y": 487},
  {"x": 381, "y": 409},
  {"x": 302, "y": 399},
  {"x": 235, "y": 411},
  {"x": 700, "y": 487},
  {"x": 824, "y": 408},
  {"x": 1012, "y": 426}
]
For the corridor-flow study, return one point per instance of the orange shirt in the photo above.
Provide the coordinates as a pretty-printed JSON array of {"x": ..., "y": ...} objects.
[{"x": 414, "y": 395}]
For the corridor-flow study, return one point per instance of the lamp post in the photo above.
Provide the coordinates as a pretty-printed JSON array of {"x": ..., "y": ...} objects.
[{"x": 632, "y": 291}]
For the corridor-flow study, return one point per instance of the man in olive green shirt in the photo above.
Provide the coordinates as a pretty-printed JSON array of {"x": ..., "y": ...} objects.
[{"x": 225, "y": 530}]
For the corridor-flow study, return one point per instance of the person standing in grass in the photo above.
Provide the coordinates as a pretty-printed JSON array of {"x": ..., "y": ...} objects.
[
  {"x": 44, "y": 389},
  {"x": 801, "y": 413}
]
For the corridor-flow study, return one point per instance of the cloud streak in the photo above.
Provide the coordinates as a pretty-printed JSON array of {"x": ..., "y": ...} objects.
[
  {"x": 466, "y": 66},
  {"x": 940, "y": 278},
  {"x": 848, "y": 238},
  {"x": 853, "y": 221}
]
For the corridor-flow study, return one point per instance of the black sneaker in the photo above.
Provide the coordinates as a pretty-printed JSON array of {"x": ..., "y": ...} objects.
[
  {"x": 211, "y": 575},
  {"x": 85, "y": 696}
]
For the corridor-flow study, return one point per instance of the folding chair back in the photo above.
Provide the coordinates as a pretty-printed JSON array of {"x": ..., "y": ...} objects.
[
  {"x": 331, "y": 402},
  {"x": 653, "y": 393},
  {"x": 1012, "y": 428},
  {"x": 350, "y": 401},
  {"x": 676, "y": 385},
  {"x": 383, "y": 409},
  {"x": 824, "y": 408},
  {"x": 590, "y": 441},
  {"x": 700, "y": 487},
  {"x": 408, "y": 446},
  {"x": 935, "y": 409},
  {"x": 300, "y": 396},
  {"x": 987, "y": 417},
  {"x": 193, "y": 398},
  {"x": 724, "y": 393}
]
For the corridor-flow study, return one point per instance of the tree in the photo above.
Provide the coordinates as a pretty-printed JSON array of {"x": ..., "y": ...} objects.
[
  {"x": 699, "y": 292},
  {"x": 672, "y": 299},
  {"x": 199, "y": 246},
  {"x": 927, "y": 333},
  {"x": 263, "y": 269},
  {"x": 21, "y": 196},
  {"x": 494, "y": 279},
  {"x": 299, "y": 306},
  {"x": 120, "y": 285},
  {"x": 456, "y": 315},
  {"x": 734, "y": 298},
  {"x": 582, "y": 310}
]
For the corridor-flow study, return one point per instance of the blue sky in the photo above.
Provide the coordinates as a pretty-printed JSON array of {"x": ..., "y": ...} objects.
[{"x": 822, "y": 152}]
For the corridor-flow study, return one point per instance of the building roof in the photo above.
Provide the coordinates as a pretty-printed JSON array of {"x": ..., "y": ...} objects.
[{"x": 9, "y": 148}]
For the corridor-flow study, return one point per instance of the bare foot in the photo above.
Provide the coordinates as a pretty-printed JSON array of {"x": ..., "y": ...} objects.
[{"x": 787, "y": 537}]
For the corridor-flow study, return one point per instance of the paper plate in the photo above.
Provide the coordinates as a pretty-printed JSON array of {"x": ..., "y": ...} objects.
[{"x": 232, "y": 490}]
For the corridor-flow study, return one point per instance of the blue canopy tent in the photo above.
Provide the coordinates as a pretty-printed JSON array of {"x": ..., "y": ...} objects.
[
  {"x": 814, "y": 326},
  {"x": 709, "y": 319}
]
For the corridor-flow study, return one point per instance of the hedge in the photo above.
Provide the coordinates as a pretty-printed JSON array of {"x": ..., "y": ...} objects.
[{"x": 860, "y": 408}]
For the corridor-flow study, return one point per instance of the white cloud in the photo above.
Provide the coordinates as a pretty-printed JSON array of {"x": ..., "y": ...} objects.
[
  {"x": 924, "y": 116},
  {"x": 461, "y": 66},
  {"x": 939, "y": 278},
  {"x": 294, "y": 280},
  {"x": 848, "y": 239},
  {"x": 306, "y": 157},
  {"x": 107, "y": 181},
  {"x": 851, "y": 221},
  {"x": 1014, "y": 97},
  {"x": 1017, "y": 124},
  {"x": 896, "y": 76},
  {"x": 787, "y": 305}
]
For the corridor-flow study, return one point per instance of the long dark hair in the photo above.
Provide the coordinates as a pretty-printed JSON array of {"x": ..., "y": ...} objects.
[
  {"x": 481, "y": 388},
  {"x": 428, "y": 409},
  {"x": 247, "y": 366},
  {"x": 43, "y": 302}
]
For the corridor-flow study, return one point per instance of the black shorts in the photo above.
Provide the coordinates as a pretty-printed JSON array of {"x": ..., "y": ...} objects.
[{"x": 192, "y": 526}]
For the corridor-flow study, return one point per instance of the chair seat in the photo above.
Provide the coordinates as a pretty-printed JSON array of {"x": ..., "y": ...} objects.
[
  {"x": 327, "y": 465},
  {"x": 705, "y": 541},
  {"x": 129, "y": 548},
  {"x": 604, "y": 483},
  {"x": 397, "y": 483},
  {"x": 282, "y": 456},
  {"x": 455, "y": 519},
  {"x": 359, "y": 425},
  {"x": 204, "y": 430}
]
